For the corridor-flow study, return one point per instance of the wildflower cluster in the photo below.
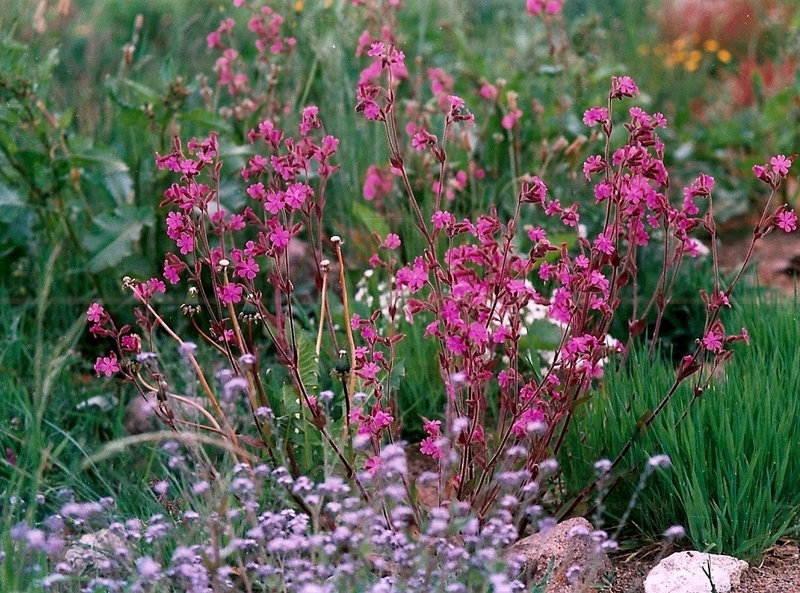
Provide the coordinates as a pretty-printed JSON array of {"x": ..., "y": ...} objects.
[{"x": 471, "y": 286}]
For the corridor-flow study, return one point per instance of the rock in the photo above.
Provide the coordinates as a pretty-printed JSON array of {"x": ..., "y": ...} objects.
[
  {"x": 97, "y": 552},
  {"x": 682, "y": 572},
  {"x": 572, "y": 552}
]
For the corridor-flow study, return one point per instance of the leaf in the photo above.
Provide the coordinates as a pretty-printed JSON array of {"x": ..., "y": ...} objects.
[
  {"x": 207, "y": 119},
  {"x": 114, "y": 236},
  {"x": 107, "y": 171},
  {"x": 370, "y": 219}
]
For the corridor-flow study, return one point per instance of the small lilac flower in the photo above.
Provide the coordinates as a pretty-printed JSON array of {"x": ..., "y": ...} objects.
[
  {"x": 674, "y": 532},
  {"x": 148, "y": 569},
  {"x": 659, "y": 461}
]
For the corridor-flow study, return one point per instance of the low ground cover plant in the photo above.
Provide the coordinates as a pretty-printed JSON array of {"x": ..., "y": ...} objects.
[{"x": 284, "y": 460}]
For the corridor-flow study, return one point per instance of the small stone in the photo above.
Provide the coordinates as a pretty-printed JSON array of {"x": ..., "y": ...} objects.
[{"x": 683, "y": 572}]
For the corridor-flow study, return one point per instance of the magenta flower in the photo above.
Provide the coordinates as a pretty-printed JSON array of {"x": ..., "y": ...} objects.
[
  {"x": 296, "y": 195},
  {"x": 372, "y": 464},
  {"x": 604, "y": 244},
  {"x": 787, "y": 221},
  {"x": 247, "y": 268},
  {"x": 429, "y": 447},
  {"x": 414, "y": 278},
  {"x": 380, "y": 420},
  {"x": 274, "y": 201},
  {"x": 392, "y": 241},
  {"x": 441, "y": 218},
  {"x": 95, "y": 313},
  {"x": 780, "y": 164},
  {"x": 310, "y": 120},
  {"x": 595, "y": 115},
  {"x": 185, "y": 243},
  {"x": 106, "y": 365},
  {"x": 489, "y": 92},
  {"x": 712, "y": 341},
  {"x": 623, "y": 86},
  {"x": 230, "y": 293},
  {"x": 172, "y": 272},
  {"x": 538, "y": 7},
  {"x": 368, "y": 371},
  {"x": 279, "y": 237},
  {"x": 432, "y": 427},
  {"x": 377, "y": 183}
]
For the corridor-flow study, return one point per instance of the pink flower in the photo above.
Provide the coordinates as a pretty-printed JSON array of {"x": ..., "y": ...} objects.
[
  {"x": 372, "y": 464},
  {"x": 604, "y": 244},
  {"x": 787, "y": 221},
  {"x": 310, "y": 120},
  {"x": 429, "y": 447},
  {"x": 623, "y": 86},
  {"x": 432, "y": 427},
  {"x": 247, "y": 268},
  {"x": 368, "y": 371},
  {"x": 172, "y": 272},
  {"x": 488, "y": 92},
  {"x": 478, "y": 333},
  {"x": 527, "y": 420},
  {"x": 95, "y": 313},
  {"x": 392, "y": 241},
  {"x": 538, "y": 7},
  {"x": 274, "y": 202},
  {"x": 441, "y": 218},
  {"x": 279, "y": 237},
  {"x": 455, "y": 344},
  {"x": 106, "y": 365},
  {"x": 131, "y": 343},
  {"x": 595, "y": 115},
  {"x": 378, "y": 183},
  {"x": 230, "y": 293},
  {"x": 712, "y": 341},
  {"x": 297, "y": 194},
  {"x": 780, "y": 164},
  {"x": 380, "y": 420},
  {"x": 186, "y": 243},
  {"x": 510, "y": 119},
  {"x": 415, "y": 277}
]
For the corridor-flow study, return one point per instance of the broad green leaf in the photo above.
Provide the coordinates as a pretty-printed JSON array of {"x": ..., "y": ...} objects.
[{"x": 114, "y": 236}]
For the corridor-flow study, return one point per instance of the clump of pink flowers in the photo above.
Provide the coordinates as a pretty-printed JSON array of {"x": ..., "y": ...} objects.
[{"x": 470, "y": 286}]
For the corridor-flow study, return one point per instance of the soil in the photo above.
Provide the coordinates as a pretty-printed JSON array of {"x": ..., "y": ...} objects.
[{"x": 778, "y": 572}]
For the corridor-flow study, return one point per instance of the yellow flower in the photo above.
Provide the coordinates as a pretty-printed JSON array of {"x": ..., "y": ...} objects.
[
  {"x": 711, "y": 45},
  {"x": 724, "y": 56}
]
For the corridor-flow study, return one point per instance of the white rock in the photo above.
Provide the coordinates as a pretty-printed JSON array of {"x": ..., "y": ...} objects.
[{"x": 682, "y": 572}]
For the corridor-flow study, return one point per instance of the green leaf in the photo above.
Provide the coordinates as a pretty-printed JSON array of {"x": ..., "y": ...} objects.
[
  {"x": 370, "y": 219},
  {"x": 114, "y": 236}
]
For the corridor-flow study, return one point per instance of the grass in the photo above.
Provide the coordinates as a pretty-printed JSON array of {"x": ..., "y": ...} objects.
[{"x": 735, "y": 480}]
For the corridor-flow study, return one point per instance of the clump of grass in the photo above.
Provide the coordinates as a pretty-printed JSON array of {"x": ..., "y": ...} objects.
[{"x": 735, "y": 482}]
